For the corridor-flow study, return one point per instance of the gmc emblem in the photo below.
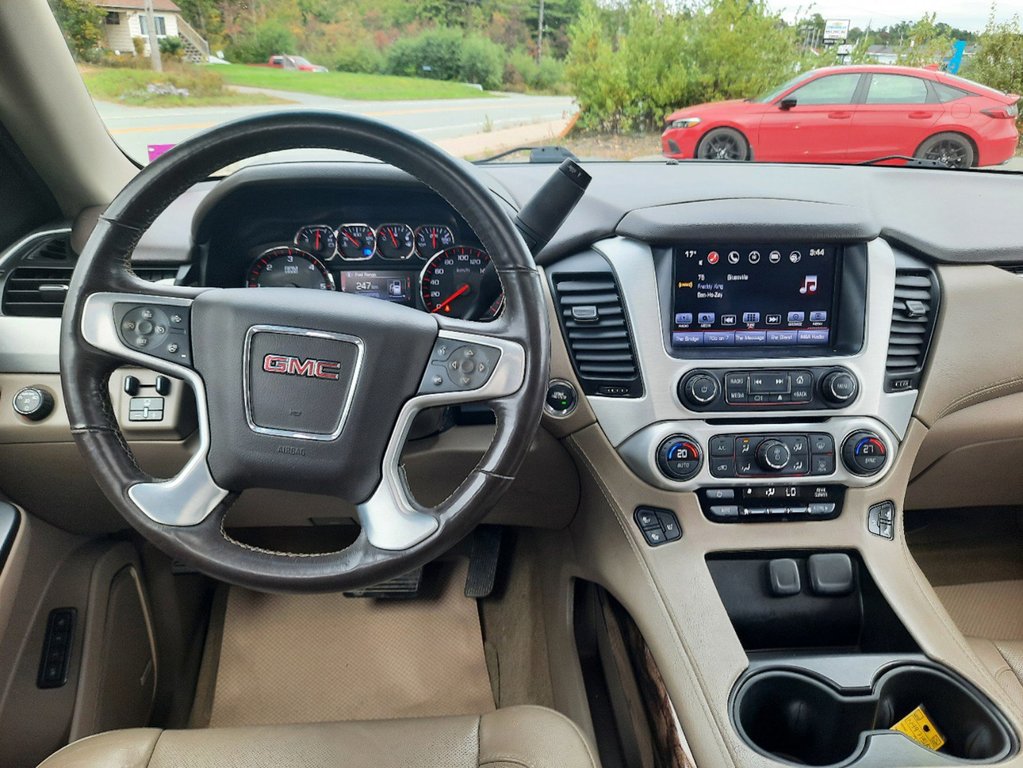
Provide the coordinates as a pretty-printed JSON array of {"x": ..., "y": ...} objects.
[{"x": 293, "y": 366}]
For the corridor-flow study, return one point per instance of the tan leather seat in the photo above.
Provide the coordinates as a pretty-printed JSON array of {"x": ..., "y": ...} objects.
[
  {"x": 1005, "y": 660},
  {"x": 508, "y": 738}
]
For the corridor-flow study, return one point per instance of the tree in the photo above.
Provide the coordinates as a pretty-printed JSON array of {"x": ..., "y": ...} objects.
[
  {"x": 81, "y": 22},
  {"x": 998, "y": 62}
]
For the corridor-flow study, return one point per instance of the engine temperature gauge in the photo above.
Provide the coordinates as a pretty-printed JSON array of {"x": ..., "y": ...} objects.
[{"x": 356, "y": 242}]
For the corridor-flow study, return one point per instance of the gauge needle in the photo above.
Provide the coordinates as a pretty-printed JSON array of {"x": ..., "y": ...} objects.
[
  {"x": 452, "y": 297},
  {"x": 349, "y": 236},
  {"x": 394, "y": 239},
  {"x": 317, "y": 240}
]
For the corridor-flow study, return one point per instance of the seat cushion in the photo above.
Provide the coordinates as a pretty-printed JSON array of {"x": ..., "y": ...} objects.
[
  {"x": 1004, "y": 658},
  {"x": 508, "y": 738}
]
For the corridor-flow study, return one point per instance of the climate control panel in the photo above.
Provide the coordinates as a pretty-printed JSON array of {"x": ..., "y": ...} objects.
[
  {"x": 769, "y": 455},
  {"x": 792, "y": 389}
]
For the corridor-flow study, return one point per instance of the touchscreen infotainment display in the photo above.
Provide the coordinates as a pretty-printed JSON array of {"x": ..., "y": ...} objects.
[{"x": 772, "y": 295}]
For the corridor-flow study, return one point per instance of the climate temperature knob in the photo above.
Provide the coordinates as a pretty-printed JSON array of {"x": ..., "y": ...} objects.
[
  {"x": 864, "y": 453},
  {"x": 773, "y": 455},
  {"x": 679, "y": 457}
]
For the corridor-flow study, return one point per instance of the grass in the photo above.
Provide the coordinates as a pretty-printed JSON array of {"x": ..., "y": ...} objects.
[
  {"x": 349, "y": 85},
  {"x": 206, "y": 88}
]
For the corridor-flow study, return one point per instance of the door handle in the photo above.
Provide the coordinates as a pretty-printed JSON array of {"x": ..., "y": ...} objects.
[
  {"x": 839, "y": 115},
  {"x": 920, "y": 115}
]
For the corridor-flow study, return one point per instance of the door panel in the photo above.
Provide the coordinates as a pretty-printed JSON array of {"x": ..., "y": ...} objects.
[
  {"x": 817, "y": 128},
  {"x": 898, "y": 113}
]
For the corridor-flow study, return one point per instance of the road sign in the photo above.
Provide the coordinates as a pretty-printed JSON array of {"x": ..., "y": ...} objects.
[{"x": 836, "y": 29}]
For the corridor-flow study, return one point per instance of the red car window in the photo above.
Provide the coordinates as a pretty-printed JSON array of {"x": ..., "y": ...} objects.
[
  {"x": 830, "y": 89},
  {"x": 896, "y": 89},
  {"x": 947, "y": 93}
]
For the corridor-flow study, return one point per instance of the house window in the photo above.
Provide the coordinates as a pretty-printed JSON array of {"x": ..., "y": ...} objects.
[
  {"x": 113, "y": 17},
  {"x": 161, "y": 25}
]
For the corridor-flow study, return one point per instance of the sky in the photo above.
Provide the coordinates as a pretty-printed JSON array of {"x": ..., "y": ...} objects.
[{"x": 965, "y": 14}]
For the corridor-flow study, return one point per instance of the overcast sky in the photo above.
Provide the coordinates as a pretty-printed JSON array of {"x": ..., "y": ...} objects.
[{"x": 965, "y": 14}]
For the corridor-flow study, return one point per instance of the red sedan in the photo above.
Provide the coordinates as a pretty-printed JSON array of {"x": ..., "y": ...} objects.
[{"x": 853, "y": 114}]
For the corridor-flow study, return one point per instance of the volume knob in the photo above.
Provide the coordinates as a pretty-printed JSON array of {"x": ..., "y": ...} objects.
[{"x": 701, "y": 389}]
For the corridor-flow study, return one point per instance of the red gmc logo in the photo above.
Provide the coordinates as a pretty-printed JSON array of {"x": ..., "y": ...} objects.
[{"x": 293, "y": 366}]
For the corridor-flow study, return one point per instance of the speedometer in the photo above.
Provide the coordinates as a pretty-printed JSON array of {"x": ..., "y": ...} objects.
[
  {"x": 287, "y": 267},
  {"x": 462, "y": 282}
]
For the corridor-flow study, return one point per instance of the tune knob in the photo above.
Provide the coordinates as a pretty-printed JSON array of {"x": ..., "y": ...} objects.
[
  {"x": 839, "y": 387},
  {"x": 864, "y": 453},
  {"x": 700, "y": 389},
  {"x": 773, "y": 455}
]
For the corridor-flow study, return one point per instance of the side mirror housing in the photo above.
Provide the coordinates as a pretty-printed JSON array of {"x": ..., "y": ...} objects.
[{"x": 786, "y": 104}]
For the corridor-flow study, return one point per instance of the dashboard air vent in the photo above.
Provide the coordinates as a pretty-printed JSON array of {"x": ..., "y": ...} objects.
[
  {"x": 597, "y": 333},
  {"x": 156, "y": 274},
  {"x": 36, "y": 291},
  {"x": 914, "y": 312}
]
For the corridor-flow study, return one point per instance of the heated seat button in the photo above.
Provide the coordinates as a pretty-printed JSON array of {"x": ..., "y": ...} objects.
[{"x": 658, "y": 526}]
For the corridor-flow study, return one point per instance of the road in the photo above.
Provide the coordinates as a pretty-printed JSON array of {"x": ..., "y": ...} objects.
[{"x": 137, "y": 127}]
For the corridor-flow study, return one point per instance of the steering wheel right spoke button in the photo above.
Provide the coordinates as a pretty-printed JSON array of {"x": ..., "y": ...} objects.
[
  {"x": 459, "y": 366},
  {"x": 864, "y": 453},
  {"x": 679, "y": 457}
]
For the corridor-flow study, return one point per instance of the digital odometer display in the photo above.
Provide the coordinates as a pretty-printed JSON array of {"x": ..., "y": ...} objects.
[
  {"x": 771, "y": 296},
  {"x": 379, "y": 284}
]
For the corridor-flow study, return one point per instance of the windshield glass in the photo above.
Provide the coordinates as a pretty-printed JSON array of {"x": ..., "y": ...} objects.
[{"x": 603, "y": 79}]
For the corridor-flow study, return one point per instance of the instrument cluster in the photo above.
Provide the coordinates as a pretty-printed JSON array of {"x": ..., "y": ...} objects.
[{"x": 422, "y": 267}]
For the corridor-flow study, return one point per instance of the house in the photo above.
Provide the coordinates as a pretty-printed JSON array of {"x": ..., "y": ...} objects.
[
  {"x": 883, "y": 54},
  {"x": 126, "y": 20}
]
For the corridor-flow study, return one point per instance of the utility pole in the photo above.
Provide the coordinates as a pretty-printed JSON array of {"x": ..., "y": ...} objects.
[
  {"x": 539, "y": 35},
  {"x": 154, "y": 43}
]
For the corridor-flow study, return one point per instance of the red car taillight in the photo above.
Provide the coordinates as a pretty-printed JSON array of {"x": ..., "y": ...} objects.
[{"x": 1010, "y": 112}]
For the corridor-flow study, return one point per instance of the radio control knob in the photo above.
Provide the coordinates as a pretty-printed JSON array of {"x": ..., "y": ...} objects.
[
  {"x": 701, "y": 389},
  {"x": 773, "y": 455},
  {"x": 839, "y": 387},
  {"x": 864, "y": 453}
]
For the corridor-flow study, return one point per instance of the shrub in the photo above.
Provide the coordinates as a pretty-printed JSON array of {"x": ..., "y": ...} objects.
[
  {"x": 260, "y": 43},
  {"x": 435, "y": 53},
  {"x": 998, "y": 62},
  {"x": 482, "y": 62},
  {"x": 364, "y": 57},
  {"x": 173, "y": 47}
]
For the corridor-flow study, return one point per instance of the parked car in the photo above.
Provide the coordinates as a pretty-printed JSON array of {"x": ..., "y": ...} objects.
[
  {"x": 294, "y": 63},
  {"x": 853, "y": 114}
]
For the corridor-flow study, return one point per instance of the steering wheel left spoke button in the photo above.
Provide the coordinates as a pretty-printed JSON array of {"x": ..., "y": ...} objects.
[
  {"x": 161, "y": 331},
  {"x": 459, "y": 366}
]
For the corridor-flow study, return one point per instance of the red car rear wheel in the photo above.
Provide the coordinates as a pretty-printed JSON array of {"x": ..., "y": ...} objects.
[{"x": 951, "y": 149}]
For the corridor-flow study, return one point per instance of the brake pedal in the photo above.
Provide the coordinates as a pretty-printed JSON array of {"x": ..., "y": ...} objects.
[{"x": 403, "y": 587}]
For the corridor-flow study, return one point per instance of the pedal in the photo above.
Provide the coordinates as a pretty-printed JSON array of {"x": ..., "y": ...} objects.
[
  {"x": 483, "y": 556},
  {"x": 403, "y": 587}
]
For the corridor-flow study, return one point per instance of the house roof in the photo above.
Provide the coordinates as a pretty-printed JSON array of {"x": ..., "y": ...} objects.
[{"x": 137, "y": 5}]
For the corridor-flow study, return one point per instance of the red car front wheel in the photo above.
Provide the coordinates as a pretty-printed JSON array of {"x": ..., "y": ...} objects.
[{"x": 723, "y": 144}]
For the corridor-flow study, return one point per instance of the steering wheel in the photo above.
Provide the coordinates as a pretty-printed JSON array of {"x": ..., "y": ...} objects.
[{"x": 300, "y": 390}]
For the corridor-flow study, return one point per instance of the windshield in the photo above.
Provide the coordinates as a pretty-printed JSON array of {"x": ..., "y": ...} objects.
[{"x": 646, "y": 80}]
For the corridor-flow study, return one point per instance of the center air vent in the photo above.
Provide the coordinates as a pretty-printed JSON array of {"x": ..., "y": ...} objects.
[
  {"x": 597, "y": 333},
  {"x": 914, "y": 312}
]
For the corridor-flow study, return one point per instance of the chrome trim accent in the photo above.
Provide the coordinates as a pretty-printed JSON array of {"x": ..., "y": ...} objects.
[
  {"x": 390, "y": 518},
  {"x": 640, "y": 451},
  {"x": 561, "y": 414},
  {"x": 190, "y": 496},
  {"x": 633, "y": 264},
  {"x": 350, "y": 396}
]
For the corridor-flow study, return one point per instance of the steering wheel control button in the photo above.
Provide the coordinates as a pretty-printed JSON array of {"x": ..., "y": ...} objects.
[
  {"x": 699, "y": 390},
  {"x": 561, "y": 399},
  {"x": 839, "y": 388},
  {"x": 881, "y": 520},
  {"x": 459, "y": 367},
  {"x": 145, "y": 409},
  {"x": 34, "y": 403},
  {"x": 161, "y": 331},
  {"x": 864, "y": 453},
  {"x": 679, "y": 457},
  {"x": 658, "y": 526}
]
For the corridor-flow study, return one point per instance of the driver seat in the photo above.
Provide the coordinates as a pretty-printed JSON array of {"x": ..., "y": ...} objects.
[{"x": 508, "y": 738}]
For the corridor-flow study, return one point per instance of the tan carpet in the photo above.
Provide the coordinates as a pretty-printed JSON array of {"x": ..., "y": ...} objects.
[
  {"x": 311, "y": 658},
  {"x": 992, "y": 609}
]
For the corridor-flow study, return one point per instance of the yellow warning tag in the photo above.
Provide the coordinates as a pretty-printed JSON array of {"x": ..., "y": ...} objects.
[{"x": 918, "y": 726}]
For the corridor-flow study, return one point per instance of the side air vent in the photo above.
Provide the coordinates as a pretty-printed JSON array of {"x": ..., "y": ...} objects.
[
  {"x": 156, "y": 274},
  {"x": 914, "y": 312},
  {"x": 36, "y": 291},
  {"x": 597, "y": 333}
]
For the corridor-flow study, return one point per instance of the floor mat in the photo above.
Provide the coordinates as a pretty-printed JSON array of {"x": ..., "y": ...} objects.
[
  {"x": 311, "y": 658},
  {"x": 992, "y": 610}
]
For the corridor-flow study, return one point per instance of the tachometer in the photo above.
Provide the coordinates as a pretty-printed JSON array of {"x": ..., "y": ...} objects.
[
  {"x": 287, "y": 267},
  {"x": 462, "y": 282},
  {"x": 317, "y": 239},
  {"x": 356, "y": 242},
  {"x": 395, "y": 241},
  {"x": 431, "y": 238}
]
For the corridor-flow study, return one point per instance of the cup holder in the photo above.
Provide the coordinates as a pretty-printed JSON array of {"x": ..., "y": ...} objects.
[{"x": 799, "y": 718}]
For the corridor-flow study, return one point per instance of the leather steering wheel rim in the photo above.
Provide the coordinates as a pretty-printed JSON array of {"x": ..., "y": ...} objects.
[{"x": 170, "y": 513}]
